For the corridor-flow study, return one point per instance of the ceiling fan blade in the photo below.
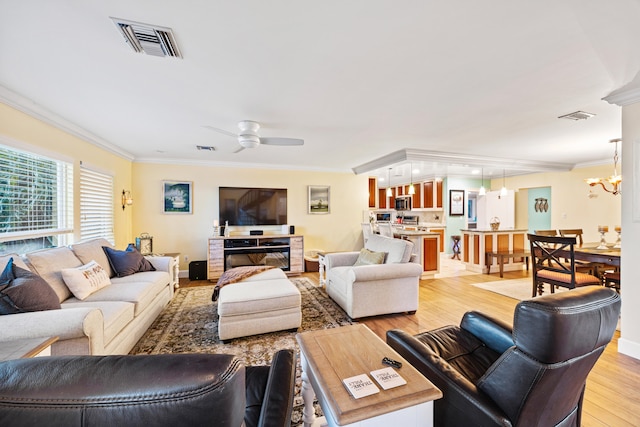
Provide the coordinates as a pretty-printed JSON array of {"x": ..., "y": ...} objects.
[
  {"x": 238, "y": 150},
  {"x": 225, "y": 132},
  {"x": 281, "y": 141}
]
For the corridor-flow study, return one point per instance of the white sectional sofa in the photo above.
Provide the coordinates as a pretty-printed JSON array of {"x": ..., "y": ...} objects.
[{"x": 109, "y": 321}]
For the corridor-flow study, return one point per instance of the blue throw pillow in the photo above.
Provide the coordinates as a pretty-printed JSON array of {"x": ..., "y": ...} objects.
[
  {"x": 22, "y": 291},
  {"x": 127, "y": 262}
]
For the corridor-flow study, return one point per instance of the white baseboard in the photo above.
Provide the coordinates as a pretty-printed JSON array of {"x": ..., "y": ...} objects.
[{"x": 629, "y": 348}]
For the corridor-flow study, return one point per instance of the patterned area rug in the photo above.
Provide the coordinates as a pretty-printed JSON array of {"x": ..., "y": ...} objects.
[{"x": 190, "y": 325}]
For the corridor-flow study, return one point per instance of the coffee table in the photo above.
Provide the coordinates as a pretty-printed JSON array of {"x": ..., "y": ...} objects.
[
  {"x": 330, "y": 355},
  {"x": 25, "y": 348}
]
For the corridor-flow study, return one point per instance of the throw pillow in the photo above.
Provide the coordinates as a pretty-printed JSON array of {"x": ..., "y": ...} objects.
[
  {"x": 128, "y": 262},
  {"x": 367, "y": 257},
  {"x": 86, "y": 279},
  {"x": 22, "y": 291}
]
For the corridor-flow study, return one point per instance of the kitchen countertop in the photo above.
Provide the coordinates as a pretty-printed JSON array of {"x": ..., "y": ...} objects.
[
  {"x": 500, "y": 230},
  {"x": 415, "y": 233}
]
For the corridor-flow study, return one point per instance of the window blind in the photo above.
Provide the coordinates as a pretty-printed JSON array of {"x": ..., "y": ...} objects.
[
  {"x": 36, "y": 196},
  {"x": 96, "y": 204}
]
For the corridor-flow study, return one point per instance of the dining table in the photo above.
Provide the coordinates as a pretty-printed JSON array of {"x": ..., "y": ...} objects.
[{"x": 590, "y": 252}]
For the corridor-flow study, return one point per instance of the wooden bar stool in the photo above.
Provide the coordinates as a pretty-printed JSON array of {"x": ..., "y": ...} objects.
[{"x": 456, "y": 247}]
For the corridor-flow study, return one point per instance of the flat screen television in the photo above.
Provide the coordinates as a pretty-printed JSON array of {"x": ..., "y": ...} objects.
[{"x": 253, "y": 206}]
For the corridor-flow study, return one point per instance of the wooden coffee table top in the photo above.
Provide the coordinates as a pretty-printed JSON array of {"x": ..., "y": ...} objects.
[
  {"x": 24, "y": 348},
  {"x": 338, "y": 353}
]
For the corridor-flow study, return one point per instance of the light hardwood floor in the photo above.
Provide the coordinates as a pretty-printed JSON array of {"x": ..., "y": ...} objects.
[{"x": 612, "y": 397}]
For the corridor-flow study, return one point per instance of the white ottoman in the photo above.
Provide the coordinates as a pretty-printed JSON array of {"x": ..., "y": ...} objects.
[{"x": 265, "y": 302}]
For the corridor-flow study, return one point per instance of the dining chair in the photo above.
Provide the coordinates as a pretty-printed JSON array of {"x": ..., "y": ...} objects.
[
  {"x": 548, "y": 254},
  {"x": 611, "y": 279},
  {"x": 385, "y": 229},
  {"x": 367, "y": 231},
  {"x": 546, "y": 232},
  {"x": 581, "y": 266}
]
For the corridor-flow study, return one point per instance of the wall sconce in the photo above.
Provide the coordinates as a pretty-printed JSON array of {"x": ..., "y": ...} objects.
[{"x": 127, "y": 200}]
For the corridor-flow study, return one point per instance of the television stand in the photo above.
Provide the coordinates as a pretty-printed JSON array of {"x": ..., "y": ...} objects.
[{"x": 281, "y": 251}]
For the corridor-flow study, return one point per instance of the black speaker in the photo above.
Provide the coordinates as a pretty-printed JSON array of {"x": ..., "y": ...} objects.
[
  {"x": 222, "y": 230},
  {"x": 292, "y": 229},
  {"x": 256, "y": 232},
  {"x": 198, "y": 270}
]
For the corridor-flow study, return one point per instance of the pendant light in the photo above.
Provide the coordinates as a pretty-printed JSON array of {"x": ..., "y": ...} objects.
[
  {"x": 615, "y": 180},
  {"x": 483, "y": 191},
  {"x": 503, "y": 190},
  {"x": 389, "y": 192},
  {"x": 412, "y": 190}
]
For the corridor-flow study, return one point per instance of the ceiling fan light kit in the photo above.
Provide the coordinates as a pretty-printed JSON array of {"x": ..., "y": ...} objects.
[{"x": 248, "y": 136}]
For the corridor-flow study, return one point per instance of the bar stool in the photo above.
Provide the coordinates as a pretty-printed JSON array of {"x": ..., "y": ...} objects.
[{"x": 456, "y": 247}]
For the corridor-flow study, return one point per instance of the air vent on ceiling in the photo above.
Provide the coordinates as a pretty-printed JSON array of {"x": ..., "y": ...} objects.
[
  {"x": 149, "y": 39},
  {"x": 205, "y": 148},
  {"x": 578, "y": 115}
]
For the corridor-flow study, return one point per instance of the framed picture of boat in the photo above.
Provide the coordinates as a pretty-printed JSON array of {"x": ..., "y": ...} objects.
[
  {"x": 318, "y": 202},
  {"x": 178, "y": 197}
]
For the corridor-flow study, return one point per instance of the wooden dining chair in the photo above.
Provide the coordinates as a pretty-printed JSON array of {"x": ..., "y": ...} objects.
[
  {"x": 581, "y": 266},
  {"x": 611, "y": 279},
  {"x": 546, "y": 232},
  {"x": 548, "y": 255}
]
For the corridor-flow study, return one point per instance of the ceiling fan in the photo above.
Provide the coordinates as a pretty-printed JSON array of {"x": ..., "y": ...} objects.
[{"x": 248, "y": 136}]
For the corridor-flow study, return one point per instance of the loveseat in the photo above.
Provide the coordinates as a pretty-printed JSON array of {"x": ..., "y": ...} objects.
[
  {"x": 365, "y": 286},
  {"x": 147, "y": 390},
  {"x": 111, "y": 316}
]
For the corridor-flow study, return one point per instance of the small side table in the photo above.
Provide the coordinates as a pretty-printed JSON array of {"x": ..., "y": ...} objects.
[
  {"x": 26, "y": 348},
  {"x": 176, "y": 268}
]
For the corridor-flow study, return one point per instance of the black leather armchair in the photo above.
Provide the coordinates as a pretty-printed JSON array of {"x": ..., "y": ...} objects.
[
  {"x": 531, "y": 375},
  {"x": 147, "y": 390}
]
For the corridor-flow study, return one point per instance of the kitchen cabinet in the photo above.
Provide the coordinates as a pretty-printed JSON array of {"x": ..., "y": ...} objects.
[
  {"x": 373, "y": 191},
  {"x": 432, "y": 194}
]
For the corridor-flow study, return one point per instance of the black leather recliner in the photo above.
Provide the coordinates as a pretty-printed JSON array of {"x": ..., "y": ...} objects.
[
  {"x": 531, "y": 375},
  {"x": 147, "y": 390}
]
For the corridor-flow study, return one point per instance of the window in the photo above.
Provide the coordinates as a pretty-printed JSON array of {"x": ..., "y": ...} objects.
[
  {"x": 36, "y": 201},
  {"x": 96, "y": 204}
]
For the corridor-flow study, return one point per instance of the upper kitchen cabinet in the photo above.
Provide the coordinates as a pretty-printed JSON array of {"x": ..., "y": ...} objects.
[
  {"x": 432, "y": 194},
  {"x": 373, "y": 191}
]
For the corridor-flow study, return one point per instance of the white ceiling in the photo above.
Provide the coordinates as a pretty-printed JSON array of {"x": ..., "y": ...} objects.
[{"x": 356, "y": 80}]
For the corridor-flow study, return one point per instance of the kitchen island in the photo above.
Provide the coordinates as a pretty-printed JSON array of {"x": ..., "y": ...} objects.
[
  {"x": 476, "y": 243},
  {"x": 426, "y": 246}
]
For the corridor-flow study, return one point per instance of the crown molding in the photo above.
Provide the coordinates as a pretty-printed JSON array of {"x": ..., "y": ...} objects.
[
  {"x": 627, "y": 94},
  {"x": 407, "y": 155},
  {"x": 31, "y": 108}
]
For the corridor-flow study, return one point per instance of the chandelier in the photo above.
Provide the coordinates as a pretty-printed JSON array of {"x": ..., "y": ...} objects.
[{"x": 615, "y": 180}]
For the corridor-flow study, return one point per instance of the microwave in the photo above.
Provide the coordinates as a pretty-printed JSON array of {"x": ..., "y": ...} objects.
[{"x": 403, "y": 203}]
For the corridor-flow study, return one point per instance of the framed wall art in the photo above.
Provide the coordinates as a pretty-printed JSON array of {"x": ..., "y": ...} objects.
[
  {"x": 178, "y": 197},
  {"x": 456, "y": 202},
  {"x": 318, "y": 201}
]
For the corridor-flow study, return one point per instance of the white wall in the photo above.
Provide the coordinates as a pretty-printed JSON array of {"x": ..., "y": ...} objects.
[{"x": 629, "y": 342}]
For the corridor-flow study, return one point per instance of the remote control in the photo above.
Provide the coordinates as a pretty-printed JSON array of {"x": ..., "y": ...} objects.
[{"x": 392, "y": 362}]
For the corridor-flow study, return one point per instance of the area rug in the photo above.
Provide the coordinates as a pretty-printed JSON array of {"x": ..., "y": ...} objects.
[
  {"x": 190, "y": 325},
  {"x": 519, "y": 289}
]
